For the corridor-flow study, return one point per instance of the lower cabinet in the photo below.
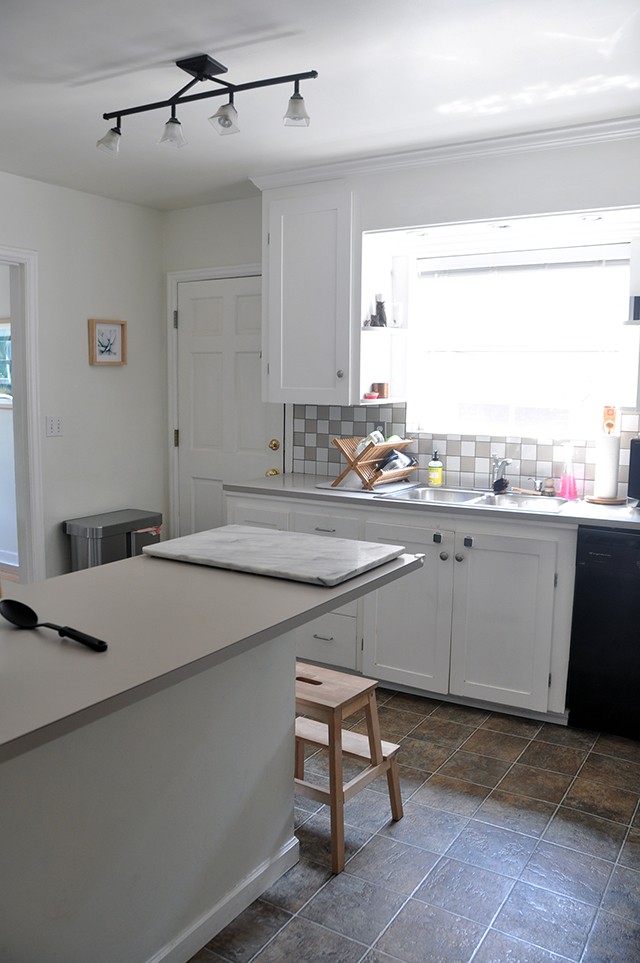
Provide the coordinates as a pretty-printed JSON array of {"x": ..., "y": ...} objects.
[
  {"x": 487, "y": 617},
  {"x": 476, "y": 621}
]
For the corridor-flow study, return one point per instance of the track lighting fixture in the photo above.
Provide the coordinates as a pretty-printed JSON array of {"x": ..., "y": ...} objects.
[{"x": 225, "y": 120}]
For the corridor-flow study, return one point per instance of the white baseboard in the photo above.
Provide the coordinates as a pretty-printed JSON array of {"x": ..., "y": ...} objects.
[{"x": 193, "y": 939}]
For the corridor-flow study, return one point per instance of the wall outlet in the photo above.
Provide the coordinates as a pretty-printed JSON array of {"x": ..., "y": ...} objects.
[{"x": 54, "y": 426}]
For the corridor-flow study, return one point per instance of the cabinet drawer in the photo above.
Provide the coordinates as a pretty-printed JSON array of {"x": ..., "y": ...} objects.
[
  {"x": 245, "y": 512},
  {"x": 332, "y": 639},
  {"x": 320, "y": 523}
]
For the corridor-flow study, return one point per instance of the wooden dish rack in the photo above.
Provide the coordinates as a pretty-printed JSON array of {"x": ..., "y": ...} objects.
[{"x": 366, "y": 463}]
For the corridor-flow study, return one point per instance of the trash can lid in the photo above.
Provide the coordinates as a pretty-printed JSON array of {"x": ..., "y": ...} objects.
[{"x": 112, "y": 523}]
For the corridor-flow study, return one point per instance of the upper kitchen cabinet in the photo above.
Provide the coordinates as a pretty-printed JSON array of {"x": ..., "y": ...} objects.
[{"x": 307, "y": 284}]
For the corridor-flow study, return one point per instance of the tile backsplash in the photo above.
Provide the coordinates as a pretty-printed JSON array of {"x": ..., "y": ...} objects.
[{"x": 466, "y": 458}]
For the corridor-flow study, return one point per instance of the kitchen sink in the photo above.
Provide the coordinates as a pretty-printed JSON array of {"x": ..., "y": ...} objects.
[
  {"x": 455, "y": 495},
  {"x": 521, "y": 503}
]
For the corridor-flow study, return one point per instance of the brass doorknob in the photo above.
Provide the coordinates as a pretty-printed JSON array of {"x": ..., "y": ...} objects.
[
  {"x": 274, "y": 444},
  {"x": 272, "y": 472}
]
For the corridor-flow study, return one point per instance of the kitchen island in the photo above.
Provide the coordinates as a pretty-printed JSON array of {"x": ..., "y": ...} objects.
[{"x": 146, "y": 793}]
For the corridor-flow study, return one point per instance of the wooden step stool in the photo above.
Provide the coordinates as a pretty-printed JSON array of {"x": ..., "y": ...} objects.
[{"x": 327, "y": 698}]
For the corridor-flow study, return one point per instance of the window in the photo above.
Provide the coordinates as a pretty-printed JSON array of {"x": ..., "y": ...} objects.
[
  {"x": 6, "y": 388},
  {"x": 527, "y": 343}
]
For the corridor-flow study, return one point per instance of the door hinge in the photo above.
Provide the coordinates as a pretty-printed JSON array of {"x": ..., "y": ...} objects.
[
  {"x": 555, "y": 580},
  {"x": 549, "y": 680},
  {"x": 267, "y": 367},
  {"x": 176, "y": 437},
  {"x": 362, "y": 644},
  {"x": 268, "y": 237},
  {"x": 175, "y": 319}
]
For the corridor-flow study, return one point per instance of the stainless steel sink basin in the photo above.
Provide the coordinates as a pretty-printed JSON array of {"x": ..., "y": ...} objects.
[
  {"x": 450, "y": 495},
  {"x": 521, "y": 503}
]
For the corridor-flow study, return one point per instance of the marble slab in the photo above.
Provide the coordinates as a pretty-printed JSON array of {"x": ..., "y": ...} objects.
[{"x": 290, "y": 555}]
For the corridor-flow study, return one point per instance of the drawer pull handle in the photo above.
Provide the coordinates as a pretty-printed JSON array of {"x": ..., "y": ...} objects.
[
  {"x": 329, "y": 531},
  {"x": 323, "y": 638}
]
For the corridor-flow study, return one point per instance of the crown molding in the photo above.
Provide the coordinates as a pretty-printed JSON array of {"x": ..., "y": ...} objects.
[{"x": 625, "y": 128}]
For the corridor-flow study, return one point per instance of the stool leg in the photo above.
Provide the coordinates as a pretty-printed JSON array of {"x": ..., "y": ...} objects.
[
  {"x": 299, "y": 760},
  {"x": 373, "y": 730},
  {"x": 393, "y": 782},
  {"x": 336, "y": 794}
]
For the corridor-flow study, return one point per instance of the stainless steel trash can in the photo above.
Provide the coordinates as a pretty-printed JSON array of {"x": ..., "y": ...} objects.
[{"x": 111, "y": 536}]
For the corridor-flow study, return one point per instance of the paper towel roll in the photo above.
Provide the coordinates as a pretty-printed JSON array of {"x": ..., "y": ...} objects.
[{"x": 607, "y": 460}]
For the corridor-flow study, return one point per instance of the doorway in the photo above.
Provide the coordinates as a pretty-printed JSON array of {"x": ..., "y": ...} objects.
[
  {"x": 9, "y": 563},
  {"x": 225, "y": 432},
  {"x": 24, "y": 550}
]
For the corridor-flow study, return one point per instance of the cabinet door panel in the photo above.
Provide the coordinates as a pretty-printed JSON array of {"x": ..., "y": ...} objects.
[
  {"x": 308, "y": 303},
  {"x": 408, "y": 624},
  {"x": 503, "y": 620}
]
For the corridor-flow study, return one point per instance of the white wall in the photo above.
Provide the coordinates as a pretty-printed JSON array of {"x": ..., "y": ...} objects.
[
  {"x": 215, "y": 235},
  {"x": 96, "y": 259}
]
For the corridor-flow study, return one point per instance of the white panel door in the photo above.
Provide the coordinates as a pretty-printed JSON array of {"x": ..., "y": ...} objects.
[
  {"x": 225, "y": 427},
  {"x": 503, "y": 619}
]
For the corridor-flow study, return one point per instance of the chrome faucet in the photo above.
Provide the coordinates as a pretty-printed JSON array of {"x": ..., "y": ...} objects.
[{"x": 498, "y": 468}]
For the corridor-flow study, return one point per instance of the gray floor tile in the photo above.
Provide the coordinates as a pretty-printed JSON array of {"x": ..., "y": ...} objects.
[
  {"x": 428, "y": 829},
  {"x": 556, "y": 923},
  {"x": 390, "y": 863},
  {"x": 249, "y": 932},
  {"x": 472, "y": 767},
  {"x": 500, "y": 948},
  {"x": 623, "y": 894},
  {"x": 630, "y": 853},
  {"x": 518, "y": 813},
  {"x": 315, "y": 840},
  {"x": 589, "y": 834},
  {"x": 613, "y": 940},
  {"x": 353, "y": 907},
  {"x": 464, "y": 889},
  {"x": 618, "y": 772},
  {"x": 298, "y": 885},
  {"x": 602, "y": 800},
  {"x": 452, "y": 795},
  {"x": 493, "y": 848},
  {"x": 568, "y": 872},
  {"x": 302, "y": 941},
  {"x": 422, "y": 933}
]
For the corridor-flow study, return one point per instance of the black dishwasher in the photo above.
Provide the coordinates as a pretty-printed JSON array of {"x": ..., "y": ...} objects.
[{"x": 604, "y": 665}]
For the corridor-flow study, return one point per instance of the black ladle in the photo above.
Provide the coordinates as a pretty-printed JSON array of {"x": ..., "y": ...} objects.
[{"x": 25, "y": 618}]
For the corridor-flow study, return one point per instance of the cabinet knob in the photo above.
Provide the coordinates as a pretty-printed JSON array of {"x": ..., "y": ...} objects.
[
  {"x": 444, "y": 556},
  {"x": 272, "y": 472},
  {"x": 274, "y": 444},
  {"x": 459, "y": 557},
  {"x": 340, "y": 373}
]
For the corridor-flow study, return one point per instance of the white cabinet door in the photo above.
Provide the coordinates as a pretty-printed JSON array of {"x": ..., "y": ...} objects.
[
  {"x": 502, "y": 619},
  {"x": 408, "y": 624},
  {"x": 307, "y": 302}
]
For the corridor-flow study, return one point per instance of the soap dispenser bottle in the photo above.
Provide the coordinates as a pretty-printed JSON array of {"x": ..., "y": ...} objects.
[{"x": 434, "y": 472}]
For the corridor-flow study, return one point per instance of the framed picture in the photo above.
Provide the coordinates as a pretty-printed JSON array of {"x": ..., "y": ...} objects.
[{"x": 107, "y": 342}]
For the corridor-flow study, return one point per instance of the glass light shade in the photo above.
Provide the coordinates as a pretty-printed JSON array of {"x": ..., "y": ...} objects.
[
  {"x": 296, "y": 115},
  {"x": 110, "y": 143},
  {"x": 172, "y": 133},
  {"x": 225, "y": 120}
]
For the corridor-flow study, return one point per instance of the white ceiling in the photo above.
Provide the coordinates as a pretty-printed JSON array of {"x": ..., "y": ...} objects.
[{"x": 393, "y": 76}]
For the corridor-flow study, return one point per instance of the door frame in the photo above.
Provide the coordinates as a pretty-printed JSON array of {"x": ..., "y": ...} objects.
[
  {"x": 26, "y": 411},
  {"x": 173, "y": 279}
]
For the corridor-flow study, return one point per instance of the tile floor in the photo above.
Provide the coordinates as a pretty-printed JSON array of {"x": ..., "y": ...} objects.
[{"x": 520, "y": 843}]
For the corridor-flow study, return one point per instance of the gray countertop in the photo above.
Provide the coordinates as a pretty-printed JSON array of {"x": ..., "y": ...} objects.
[
  {"x": 306, "y": 486},
  {"x": 163, "y": 621}
]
